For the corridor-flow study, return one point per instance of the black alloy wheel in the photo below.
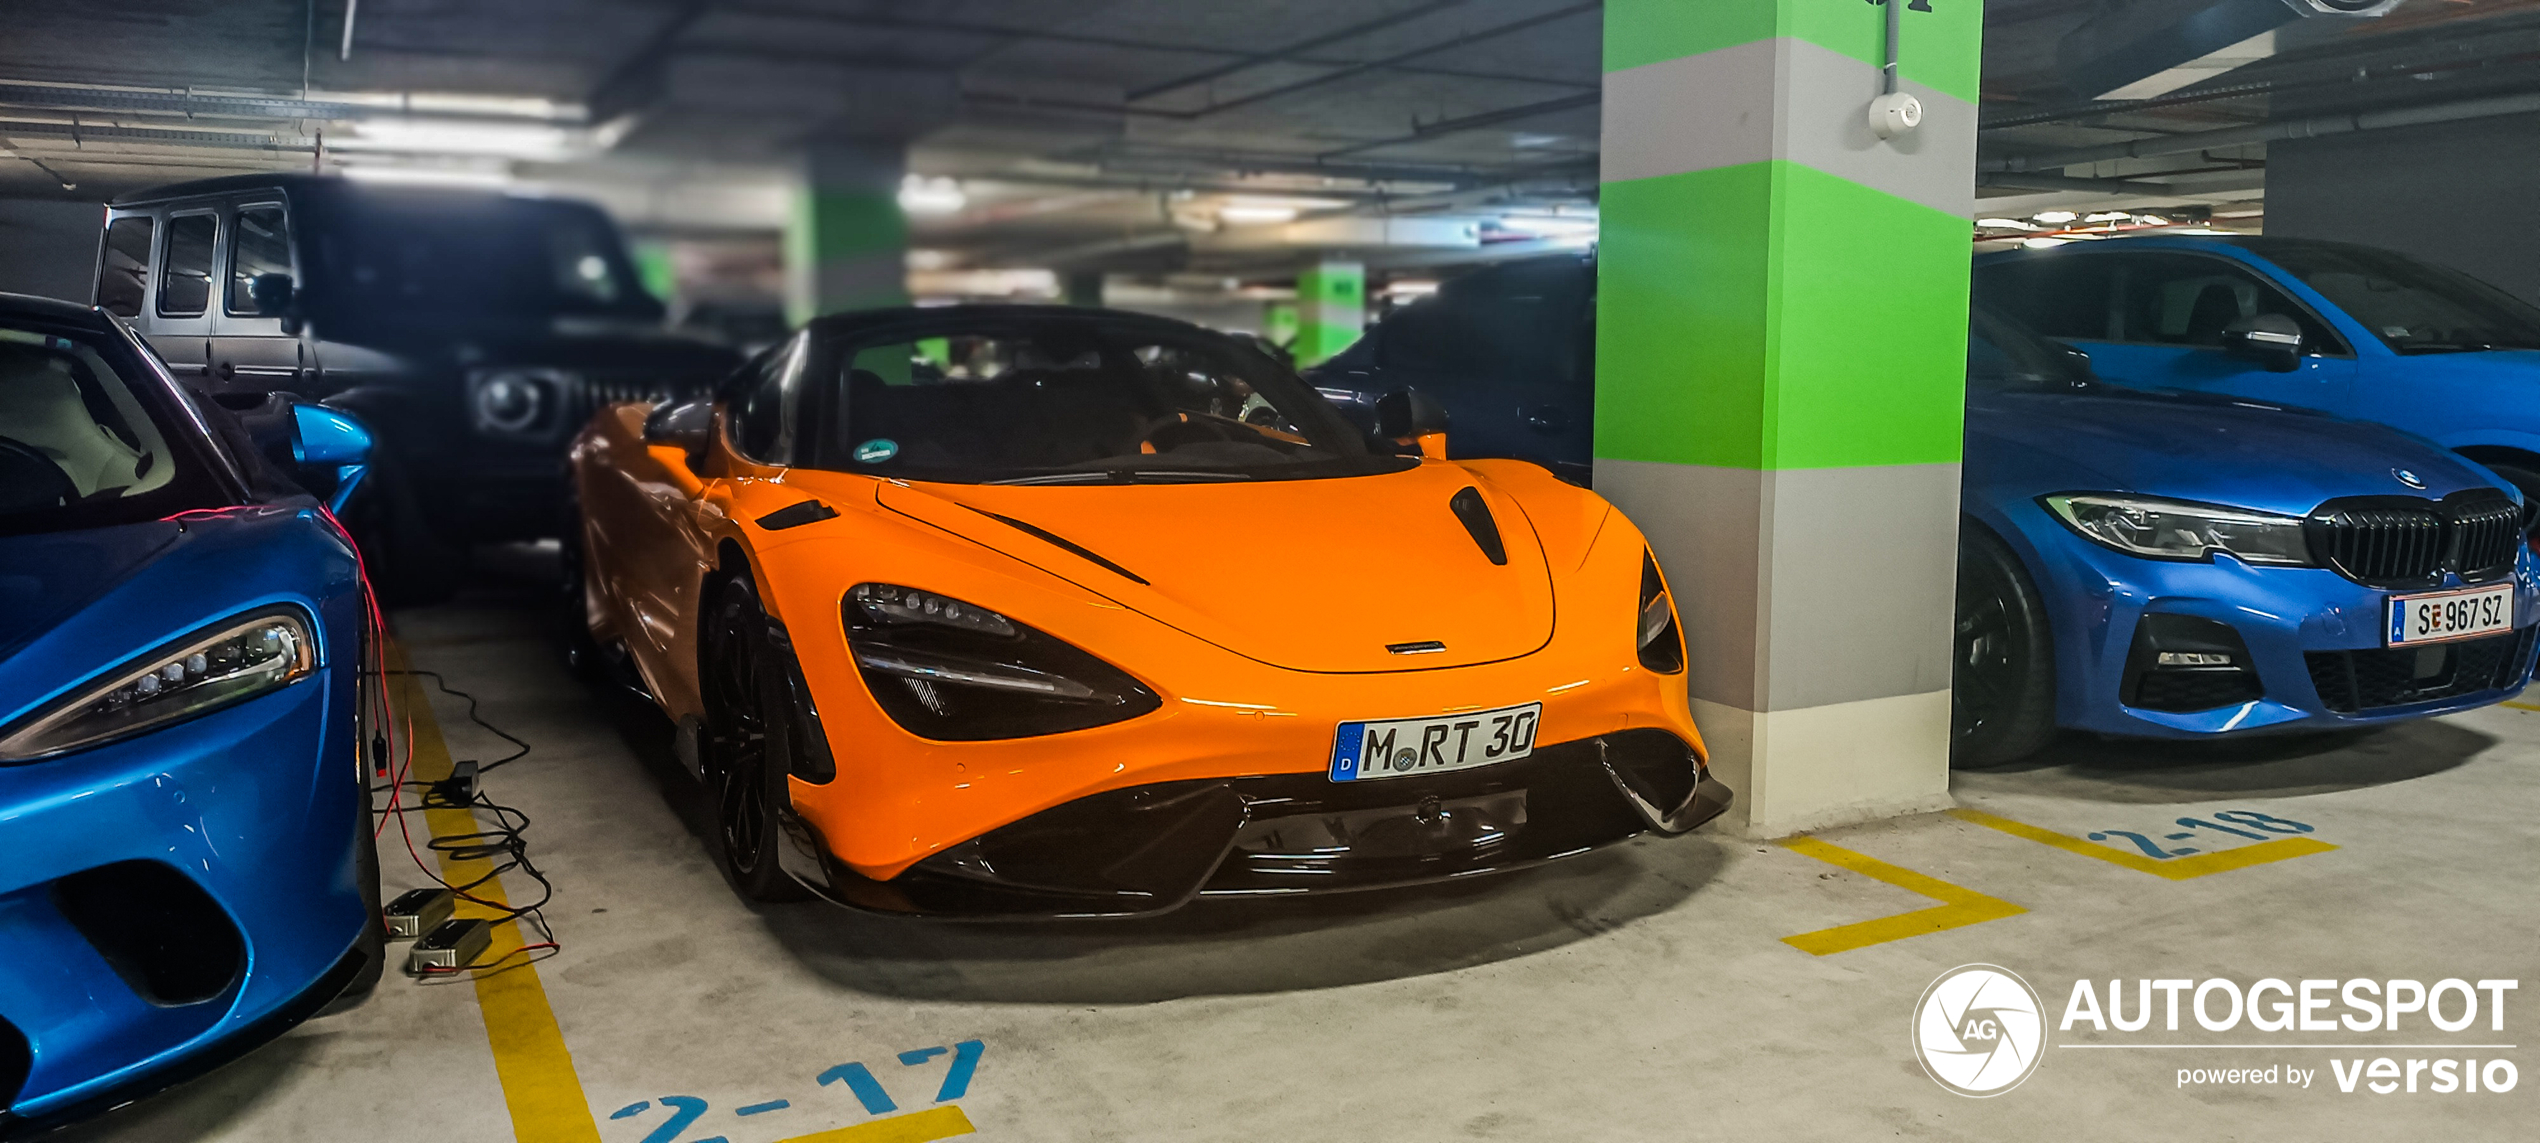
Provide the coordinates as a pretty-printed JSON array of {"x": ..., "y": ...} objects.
[
  {"x": 2002, "y": 694},
  {"x": 573, "y": 592},
  {"x": 748, "y": 744}
]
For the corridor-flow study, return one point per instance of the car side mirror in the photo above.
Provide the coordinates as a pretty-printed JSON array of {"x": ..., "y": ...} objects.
[
  {"x": 276, "y": 296},
  {"x": 684, "y": 425},
  {"x": 2272, "y": 340},
  {"x": 1409, "y": 416},
  {"x": 331, "y": 437}
]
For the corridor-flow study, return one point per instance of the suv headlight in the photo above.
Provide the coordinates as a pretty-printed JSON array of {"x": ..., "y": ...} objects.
[
  {"x": 958, "y": 672},
  {"x": 1662, "y": 642},
  {"x": 2160, "y": 529},
  {"x": 516, "y": 401},
  {"x": 228, "y": 662}
]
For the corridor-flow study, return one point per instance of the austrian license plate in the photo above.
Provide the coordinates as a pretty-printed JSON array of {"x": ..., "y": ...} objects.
[
  {"x": 2451, "y": 615},
  {"x": 1407, "y": 747}
]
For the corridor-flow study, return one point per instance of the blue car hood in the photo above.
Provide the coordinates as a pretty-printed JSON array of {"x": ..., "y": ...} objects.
[
  {"x": 2198, "y": 447},
  {"x": 49, "y": 576}
]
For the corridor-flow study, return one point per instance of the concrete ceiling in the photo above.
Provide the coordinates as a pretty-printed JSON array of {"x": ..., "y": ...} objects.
[{"x": 1079, "y": 128}]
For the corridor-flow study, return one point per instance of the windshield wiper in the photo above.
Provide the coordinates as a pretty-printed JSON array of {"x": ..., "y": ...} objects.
[{"x": 1128, "y": 476}]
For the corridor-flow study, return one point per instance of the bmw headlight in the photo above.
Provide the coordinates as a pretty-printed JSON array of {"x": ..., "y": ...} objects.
[
  {"x": 2160, "y": 529},
  {"x": 1662, "y": 642},
  {"x": 515, "y": 401},
  {"x": 956, "y": 671},
  {"x": 228, "y": 662}
]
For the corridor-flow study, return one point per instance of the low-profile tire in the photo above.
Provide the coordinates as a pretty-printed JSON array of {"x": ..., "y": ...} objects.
[
  {"x": 572, "y": 603},
  {"x": 409, "y": 563},
  {"x": 748, "y": 745},
  {"x": 373, "y": 941},
  {"x": 2003, "y": 677}
]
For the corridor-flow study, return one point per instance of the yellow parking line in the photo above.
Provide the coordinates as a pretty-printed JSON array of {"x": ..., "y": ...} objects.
[
  {"x": 2522, "y": 705},
  {"x": 539, "y": 1083},
  {"x": 1960, "y": 906},
  {"x": 2176, "y": 868},
  {"x": 917, "y": 1127}
]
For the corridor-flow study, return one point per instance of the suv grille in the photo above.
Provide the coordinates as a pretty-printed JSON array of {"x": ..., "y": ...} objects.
[
  {"x": 2398, "y": 541},
  {"x": 2352, "y": 682}
]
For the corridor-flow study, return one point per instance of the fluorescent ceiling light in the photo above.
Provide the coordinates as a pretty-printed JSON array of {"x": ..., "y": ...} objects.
[
  {"x": 1237, "y": 215},
  {"x": 488, "y": 178},
  {"x": 2109, "y": 216},
  {"x": 533, "y": 141},
  {"x": 922, "y": 195},
  {"x": 2004, "y": 224},
  {"x": 2043, "y": 243},
  {"x": 2151, "y": 220},
  {"x": 2054, "y": 217}
]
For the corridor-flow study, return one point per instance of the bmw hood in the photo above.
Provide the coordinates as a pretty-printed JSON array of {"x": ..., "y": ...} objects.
[
  {"x": 1356, "y": 574},
  {"x": 2196, "y": 447}
]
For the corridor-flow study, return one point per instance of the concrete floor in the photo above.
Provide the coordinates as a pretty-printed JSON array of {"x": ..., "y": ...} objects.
[{"x": 1639, "y": 993}]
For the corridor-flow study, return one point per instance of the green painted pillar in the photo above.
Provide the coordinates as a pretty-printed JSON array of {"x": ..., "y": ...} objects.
[
  {"x": 1781, "y": 363},
  {"x": 657, "y": 269},
  {"x": 846, "y": 241},
  {"x": 1331, "y": 310}
]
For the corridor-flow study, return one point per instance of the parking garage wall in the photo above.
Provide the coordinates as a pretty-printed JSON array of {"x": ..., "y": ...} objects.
[
  {"x": 48, "y": 247},
  {"x": 2454, "y": 193}
]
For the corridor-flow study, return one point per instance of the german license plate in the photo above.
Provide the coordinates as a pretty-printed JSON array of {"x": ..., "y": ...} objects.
[
  {"x": 2451, "y": 615},
  {"x": 1408, "y": 747}
]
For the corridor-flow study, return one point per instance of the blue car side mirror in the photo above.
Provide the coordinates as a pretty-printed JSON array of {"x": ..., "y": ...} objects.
[
  {"x": 327, "y": 438},
  {"x": 330, "y": 437}
]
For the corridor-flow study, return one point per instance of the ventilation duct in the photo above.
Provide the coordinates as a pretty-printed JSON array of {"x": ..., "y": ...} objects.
[{"x": 2139, "y": 49}]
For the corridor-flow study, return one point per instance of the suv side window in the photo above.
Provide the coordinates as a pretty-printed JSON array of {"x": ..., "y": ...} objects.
[
  {"x": 123, "y": 279},
  {"x": 185, "y": 281},
  {"x": 259, "y": 244},
  {"x": 2060, "y": 295},
  {"x": 1522, "y": 319},
  {"x": 2188, "y": 299}
]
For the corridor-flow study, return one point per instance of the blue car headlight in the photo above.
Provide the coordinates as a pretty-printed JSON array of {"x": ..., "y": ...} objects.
[
  {"x": 2161, "y": 529},
  {"x": 228, "y": 662}
]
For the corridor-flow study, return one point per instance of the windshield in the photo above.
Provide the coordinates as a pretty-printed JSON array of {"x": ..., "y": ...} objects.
[
  {"x": 1080, "y": 399},
  {"x": 83, "y": 444},
  {"x": 403, "y": 252},
  {"x": 2003, "y": 355},
  {"x": 2414, "y": 307}
]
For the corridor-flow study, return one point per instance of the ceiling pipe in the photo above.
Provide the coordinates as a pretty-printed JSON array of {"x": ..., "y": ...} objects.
[
  {"x": 2305, "y": 128},
  {"x": 1291, "y": 51}
]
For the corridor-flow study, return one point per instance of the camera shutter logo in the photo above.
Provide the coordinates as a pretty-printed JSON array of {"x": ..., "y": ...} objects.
[{"x": 1979, "y": 1030}]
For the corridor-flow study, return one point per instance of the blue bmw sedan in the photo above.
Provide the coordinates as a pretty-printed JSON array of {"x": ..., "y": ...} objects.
[
  {"x": 186, "y": 867},
  {"x": 2163, "y": 565}
]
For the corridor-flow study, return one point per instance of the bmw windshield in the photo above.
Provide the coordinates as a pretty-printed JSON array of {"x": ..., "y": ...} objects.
[
  {"x": 2412, "y": 306},
  {"x": 1078, "y": 398}
]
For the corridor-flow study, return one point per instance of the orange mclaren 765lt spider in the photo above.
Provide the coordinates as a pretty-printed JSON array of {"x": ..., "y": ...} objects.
[{"x": 1053, "y": 612}]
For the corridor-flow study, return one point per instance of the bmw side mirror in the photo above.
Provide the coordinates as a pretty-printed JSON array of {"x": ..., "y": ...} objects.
[
  {"x": 2272, "y": 340},
  {"x": 685, "y": 425},
  {"x": 276, "y": 297}
]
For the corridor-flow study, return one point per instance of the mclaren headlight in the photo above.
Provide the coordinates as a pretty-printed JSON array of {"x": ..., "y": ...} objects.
[
  {"x": 2181, "y": 529},
  {"x": 228, "y": 662},
  {"x": 955, "y": 671},
  {"x": 1662, "y": 642}
]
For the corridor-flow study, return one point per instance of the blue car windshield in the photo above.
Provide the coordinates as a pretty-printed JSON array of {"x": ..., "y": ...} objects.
[
  {"x": 83, "y": 444},
  {"x": 2412, "y": 306}
]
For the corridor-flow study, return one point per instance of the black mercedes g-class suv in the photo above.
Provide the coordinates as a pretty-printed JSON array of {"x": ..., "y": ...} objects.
[{"x": 474, "y": 331}]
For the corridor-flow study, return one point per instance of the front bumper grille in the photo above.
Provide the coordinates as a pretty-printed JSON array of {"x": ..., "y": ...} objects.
[
  {"x": 1149, "y": 849},
  {"x": 2360, "y": 682},
  {"x": 2403, "y": 541}
]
